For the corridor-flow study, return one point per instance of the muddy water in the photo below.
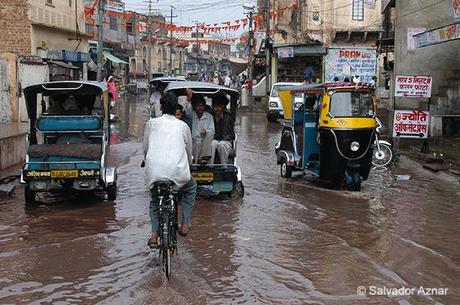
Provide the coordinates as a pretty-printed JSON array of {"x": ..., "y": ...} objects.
[{"x": 286, "y": 242}]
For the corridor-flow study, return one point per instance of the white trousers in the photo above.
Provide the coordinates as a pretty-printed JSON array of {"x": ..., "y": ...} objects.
[
  {"x": 223, "y": 148},
  {"x": 202, "y": 147}
]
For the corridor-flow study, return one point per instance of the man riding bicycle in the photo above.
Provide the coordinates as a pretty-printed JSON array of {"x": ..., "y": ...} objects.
[{"x": 168, "y": 155}]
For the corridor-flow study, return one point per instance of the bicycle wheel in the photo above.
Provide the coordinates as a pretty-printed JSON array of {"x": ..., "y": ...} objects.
[
  {"x": 165, "y": 252},
  {"x": 166, "y": 262}
]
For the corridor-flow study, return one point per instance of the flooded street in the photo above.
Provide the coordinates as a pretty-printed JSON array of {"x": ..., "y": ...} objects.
[{"x": 285, "y": 242}]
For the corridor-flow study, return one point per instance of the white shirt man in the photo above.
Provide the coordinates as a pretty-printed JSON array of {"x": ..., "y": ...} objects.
[{"x": 167, "y": 149}]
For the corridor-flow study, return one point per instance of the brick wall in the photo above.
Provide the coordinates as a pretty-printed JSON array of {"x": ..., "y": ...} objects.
[{"x": 15, "y": 28}]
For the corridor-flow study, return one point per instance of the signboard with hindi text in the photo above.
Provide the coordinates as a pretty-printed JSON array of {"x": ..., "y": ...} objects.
[
  {"x": 410, "y": 124},
  {"x": 346, "y": 63},
  {"x": 413, "y": 86}
]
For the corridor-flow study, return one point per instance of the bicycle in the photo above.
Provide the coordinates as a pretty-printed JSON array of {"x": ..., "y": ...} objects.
[
  {"x": 167, "y": 218},
  {"x": 168, "y": 226}
]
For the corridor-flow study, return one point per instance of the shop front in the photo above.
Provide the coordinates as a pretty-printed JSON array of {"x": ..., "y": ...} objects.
[{"x": 297, "y": 63}]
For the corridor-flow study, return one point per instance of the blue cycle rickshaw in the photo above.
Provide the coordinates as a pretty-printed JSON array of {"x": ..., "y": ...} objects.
[{"x": 68, "y": 140}]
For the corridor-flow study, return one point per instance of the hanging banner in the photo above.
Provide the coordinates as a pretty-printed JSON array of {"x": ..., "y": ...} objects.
[
  {"x": 346, "y": 63},
  {"x": 456, "y": 9},
  {"x": 411, "y": 32},
  {"x": 410, "y": 124},
  {"x": 413, "y": 86},
  {"x": 432, "y": 37}
]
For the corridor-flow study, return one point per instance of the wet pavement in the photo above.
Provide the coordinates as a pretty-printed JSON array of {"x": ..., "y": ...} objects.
[{"x": 285, "y": 242}]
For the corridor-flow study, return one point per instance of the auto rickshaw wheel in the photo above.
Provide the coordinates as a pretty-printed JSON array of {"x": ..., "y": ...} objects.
[
  {"x": 285, "y": 169},
  {"x": 112, "y": 192},
  {"x": 271, "y": 118},
  {"x": 29, "y": 196}
]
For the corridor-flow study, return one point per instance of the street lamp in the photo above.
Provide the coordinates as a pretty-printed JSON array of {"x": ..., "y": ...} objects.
[{"x": 250, "y": 8}]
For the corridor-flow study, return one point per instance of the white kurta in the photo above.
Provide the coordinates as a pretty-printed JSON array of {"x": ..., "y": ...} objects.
[{"x": 167, "y": 151}]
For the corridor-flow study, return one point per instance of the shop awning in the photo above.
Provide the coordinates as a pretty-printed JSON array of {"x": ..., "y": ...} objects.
[
  {"x": 63, "y": 64},
  {"x": 113, "y": 58}
]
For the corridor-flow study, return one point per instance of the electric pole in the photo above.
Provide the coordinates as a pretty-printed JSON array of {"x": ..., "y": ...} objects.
[
  {"x": 100, "y": 38},
  {"x": 267, "y": 47},
  {"x": 170, "y": 40},
  {"x": 149, "y": 44},
  {"x": 251, "y": 60}
]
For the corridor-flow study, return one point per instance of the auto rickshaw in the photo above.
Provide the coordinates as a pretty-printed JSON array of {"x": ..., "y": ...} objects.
[
  {"x": 331, "y": 135},
  {"x": 213, "y": 179},
  {"x": 68, "y": 140}
]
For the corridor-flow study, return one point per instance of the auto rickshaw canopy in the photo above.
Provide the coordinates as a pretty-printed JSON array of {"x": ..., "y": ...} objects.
[{"x": 286, "y": 93}]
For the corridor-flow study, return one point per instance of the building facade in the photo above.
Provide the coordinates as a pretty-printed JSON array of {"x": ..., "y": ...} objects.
[
  {"x": 317, "y": 34},
  {"x": 423, "y": 41}
]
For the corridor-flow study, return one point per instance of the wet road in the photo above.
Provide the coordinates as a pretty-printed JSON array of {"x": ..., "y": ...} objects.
[{"x": 286, "y": 242}]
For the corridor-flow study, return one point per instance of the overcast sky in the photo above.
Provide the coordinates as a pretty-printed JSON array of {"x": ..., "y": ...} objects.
[{"x": 189, "y": 11}]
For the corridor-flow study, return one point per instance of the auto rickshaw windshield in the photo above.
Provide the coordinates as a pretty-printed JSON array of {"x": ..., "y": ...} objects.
[{"x": 352, "y": 104}]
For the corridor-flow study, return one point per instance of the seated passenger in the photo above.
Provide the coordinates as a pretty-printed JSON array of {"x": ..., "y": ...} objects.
[
  {"x": 186, "y": 102},
  {"x": 224, "y": 130},
  {"x": 155, "y": 108},
  {"x": 180, "y": 115},
  {"x": 202, "y": 130}
]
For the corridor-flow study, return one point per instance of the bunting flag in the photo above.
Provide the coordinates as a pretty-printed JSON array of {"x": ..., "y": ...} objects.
[{"x": 228, "y": 26}]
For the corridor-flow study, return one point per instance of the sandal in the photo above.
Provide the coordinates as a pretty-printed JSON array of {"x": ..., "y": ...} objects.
[
  {"x": 153, "y": 244},
  {"x": 184, "y": 230}
]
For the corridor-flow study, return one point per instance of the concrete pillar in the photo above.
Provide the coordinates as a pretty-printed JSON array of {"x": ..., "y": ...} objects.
[{"x": 274, "y": 74}]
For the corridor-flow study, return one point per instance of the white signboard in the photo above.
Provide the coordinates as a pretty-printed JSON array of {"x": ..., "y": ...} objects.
[
  {"x": 286, "y": 52},
  {"x": 410, "y": 124},
  {"x": 346, "y": 63},
  {"x": 118, "y": 7},
  {"x": 413, "y": 86}
]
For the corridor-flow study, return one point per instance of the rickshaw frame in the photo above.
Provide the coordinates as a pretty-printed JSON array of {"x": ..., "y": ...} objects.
[
  {"x": 80, "y": 174},
  {"x": 215, "y": 178}
]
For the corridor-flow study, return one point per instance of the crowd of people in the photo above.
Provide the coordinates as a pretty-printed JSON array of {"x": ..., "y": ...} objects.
[
  {"x": 229, "y": 80},
  {"x": 212, "y": 128}
]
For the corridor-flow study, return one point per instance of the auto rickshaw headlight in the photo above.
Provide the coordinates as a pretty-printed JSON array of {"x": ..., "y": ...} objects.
[
  {"x": 354, "y": 146},
  {"x": 273, "y": 104}
]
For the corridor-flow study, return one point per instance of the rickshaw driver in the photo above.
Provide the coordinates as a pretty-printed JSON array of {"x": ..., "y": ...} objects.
[
  {"x": 169, "y": 162},
  {"x": 224, "y": 130},
  {"x": 202, "y": 130}
]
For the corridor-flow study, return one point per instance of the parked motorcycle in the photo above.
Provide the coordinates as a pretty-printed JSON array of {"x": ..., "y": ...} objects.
[{"x": 383, "y": 150}]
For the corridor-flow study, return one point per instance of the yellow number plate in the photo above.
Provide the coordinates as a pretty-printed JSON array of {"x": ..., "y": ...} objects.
[
  {"x": 207, "y": 177},
  {"x": 56, "y": 174}
]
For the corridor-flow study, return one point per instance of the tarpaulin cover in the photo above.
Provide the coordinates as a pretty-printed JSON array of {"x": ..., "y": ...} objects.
[{"x": 87, "y": 151}]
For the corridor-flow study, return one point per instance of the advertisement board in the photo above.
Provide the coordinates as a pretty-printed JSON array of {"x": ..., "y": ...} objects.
[
  {"x": 413, "y": 86},
  {"x": 346, "y": 63},
  {"x": 410, "y": 124}
]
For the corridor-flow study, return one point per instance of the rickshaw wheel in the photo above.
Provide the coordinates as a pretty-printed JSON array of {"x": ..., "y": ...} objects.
[
  {"x": 285, "y": 169},
  {"x": 29, "y": 196},
  {"x": 237, "y": 192},
  {"x": 112, "y": 192}
]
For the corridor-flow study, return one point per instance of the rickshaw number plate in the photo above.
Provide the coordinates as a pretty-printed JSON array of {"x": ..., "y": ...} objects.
[
  {"x": 208, "y": 177},
  {"x": 64, "y": 174}
]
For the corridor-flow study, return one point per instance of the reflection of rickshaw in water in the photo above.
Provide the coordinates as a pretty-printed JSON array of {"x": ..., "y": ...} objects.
[
  {"x": 69, "y": 139},
  {"x": 331, "y": 136},
  {"x": 157, "y": 88},
  {"x": 215, "y": 178}
]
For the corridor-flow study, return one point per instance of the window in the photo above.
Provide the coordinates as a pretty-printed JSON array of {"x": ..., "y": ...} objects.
[
  {"x": 113, "y": 23},
  {"x": 70, "y": 3},
  {"x": 129, "y": 27},
  {"x": 352, "y": 104},
  {"x": 50, "y": 2},
  {"x": 358, "y": 10}
]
